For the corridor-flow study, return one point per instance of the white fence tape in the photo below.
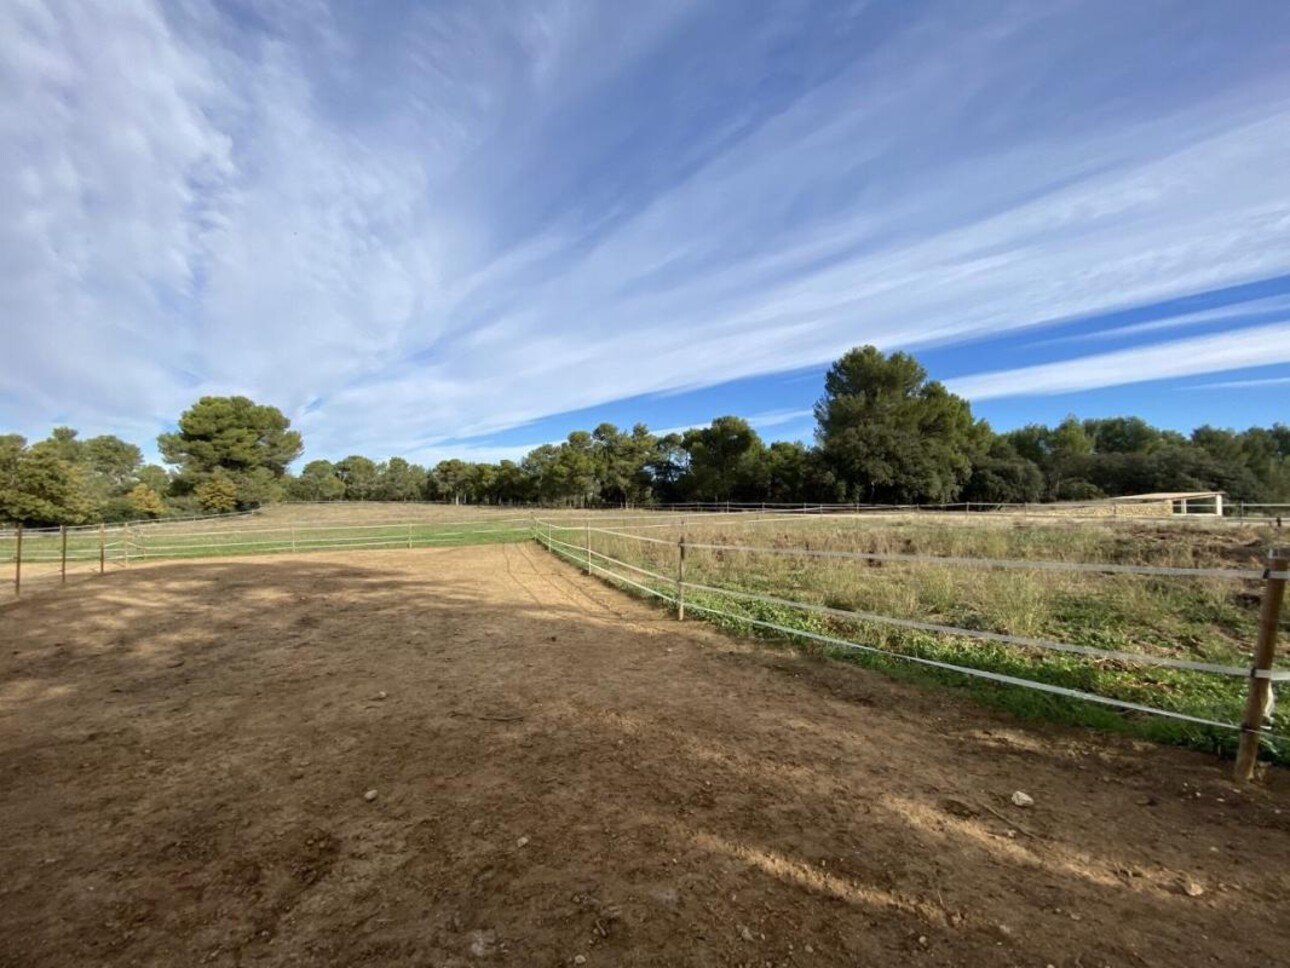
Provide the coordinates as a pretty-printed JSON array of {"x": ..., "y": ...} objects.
[
  {"x": 1036, "y": 564},
  {"x": 981, "y": 634},
  {"x": 580, "y": 554}
]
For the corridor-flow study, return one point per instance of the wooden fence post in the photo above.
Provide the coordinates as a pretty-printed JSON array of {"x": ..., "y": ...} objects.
[
  {"x": 1264, "y": 652},
  {"x": 63, "y": 565},
  {"x": 17, "y": 565},
  {"x": 409, "y": 535},
  {"x": 293, "y": 538},
  {"x": 588, "y": 543},
  {"x": 102, "y": 547},
  {"x": 125, "y": 544},
  {"x": 680, "y": 580}
]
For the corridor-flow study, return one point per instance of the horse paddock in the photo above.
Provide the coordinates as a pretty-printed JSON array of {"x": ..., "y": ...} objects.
[{"x": 478, "y": 755}]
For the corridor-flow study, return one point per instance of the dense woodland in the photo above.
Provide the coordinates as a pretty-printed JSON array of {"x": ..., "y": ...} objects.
[{"x": 885, "y": 435}]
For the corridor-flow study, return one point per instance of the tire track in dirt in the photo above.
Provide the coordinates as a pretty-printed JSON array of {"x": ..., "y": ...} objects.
[
  {"x": 568, "y": 590},
  {"x": 528, "y": 590},
  {"x": 553, "y": 570}
]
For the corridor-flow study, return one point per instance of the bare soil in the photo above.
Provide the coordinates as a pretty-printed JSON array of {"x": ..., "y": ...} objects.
[{"x": 563, "y": 772}]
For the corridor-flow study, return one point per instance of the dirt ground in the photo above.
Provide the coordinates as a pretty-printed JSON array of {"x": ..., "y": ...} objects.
[{"x": 563, "y": 775}]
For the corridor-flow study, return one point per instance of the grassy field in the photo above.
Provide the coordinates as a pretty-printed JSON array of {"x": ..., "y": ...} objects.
[
  {"x": 1200, "y": 619},
  {"x": 275, "y": 530}
]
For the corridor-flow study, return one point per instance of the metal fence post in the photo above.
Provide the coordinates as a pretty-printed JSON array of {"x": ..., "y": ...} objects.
[
  {"x": 63, "y": 563},
  {"x": 680, "y": 580},
  {"x": 1260, "y": 688}
]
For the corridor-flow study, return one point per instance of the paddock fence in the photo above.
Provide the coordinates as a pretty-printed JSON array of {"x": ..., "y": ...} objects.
[
  {"x": 42, "y": 556},
  {"x": 797, "y": 590},
  {"x": 1133, "y": 683},
  {"x": 1232, "y": 511}
]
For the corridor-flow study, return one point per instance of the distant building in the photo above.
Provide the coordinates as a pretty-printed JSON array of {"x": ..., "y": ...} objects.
[{"x": 1168, "y": 504}]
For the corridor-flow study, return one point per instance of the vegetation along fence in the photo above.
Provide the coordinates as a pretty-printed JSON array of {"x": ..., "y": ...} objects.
[
  {"x": 1215, "y": 700},
  {"x": 1232, "y": 511}
]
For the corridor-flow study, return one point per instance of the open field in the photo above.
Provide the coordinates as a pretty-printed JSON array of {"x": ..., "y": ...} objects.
[
  {"x": 273, "y": 530},
  {"x": 562, "y": 771}
]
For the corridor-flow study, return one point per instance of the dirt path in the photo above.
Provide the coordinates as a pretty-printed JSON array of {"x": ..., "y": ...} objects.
[{"x": 562, "y": 772}]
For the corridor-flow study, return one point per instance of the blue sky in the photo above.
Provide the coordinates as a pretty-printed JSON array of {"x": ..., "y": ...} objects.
[{"x": 466, "y": 228}]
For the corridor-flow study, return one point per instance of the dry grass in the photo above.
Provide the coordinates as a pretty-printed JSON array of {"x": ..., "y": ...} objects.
[{"x": 1199, "y": 619}]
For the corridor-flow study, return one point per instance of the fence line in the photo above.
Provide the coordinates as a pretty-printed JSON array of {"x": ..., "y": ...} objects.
[
  {"x": 46, "y": 547},
  {"x": 1140, "y": 658},
  {"x": 1035, "y": 564},
  {"x": 702, "y": 506},
  {"x": 1261, "y": 675},
  {"x": 845, "y": 643},
  {"x": 382, "y": 526}
]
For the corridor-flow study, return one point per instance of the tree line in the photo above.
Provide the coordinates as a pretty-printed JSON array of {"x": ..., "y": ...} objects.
[{"x": 885, "y": 434}]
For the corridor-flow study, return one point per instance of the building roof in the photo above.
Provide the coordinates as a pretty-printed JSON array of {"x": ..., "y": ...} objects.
[{"x": 1169, "y": 495}]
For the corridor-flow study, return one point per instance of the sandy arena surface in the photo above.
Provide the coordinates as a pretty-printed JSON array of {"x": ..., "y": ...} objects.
[{"x": 564, "y": 775}]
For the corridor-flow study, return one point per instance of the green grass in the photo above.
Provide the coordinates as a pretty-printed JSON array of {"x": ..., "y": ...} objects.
[
  {"x": 1208, "y": 620},
  {"x": 162, "y": 542}
]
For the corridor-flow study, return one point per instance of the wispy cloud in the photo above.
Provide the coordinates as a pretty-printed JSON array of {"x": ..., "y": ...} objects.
[
  {"x": 769, "y": 420},
  {"x": 1256, "y": 346},
  {"x": 415, "y": 224},
  {"x": 1271, "y": 381},
  {"x": 1245, "y": 312}
]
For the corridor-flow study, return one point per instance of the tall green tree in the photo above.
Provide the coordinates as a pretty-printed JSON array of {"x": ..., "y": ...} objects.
[
  {"x": 891, "y": 435},
  {"x": 667, "y": 468},
  {"x": 622, "y": 463},
  {"x": 37, "y": 487},
  {"x": 1122, "y": 435},
  {"x": 1003, "y": 476},
  {"x": 397, "y": 480},
  {"x": 112, "y": 461},
  {"x": 450, "y": 481},
  {"x": 232, "y": 433},
  {"x": 724, "y": 460},
  {"x": 318, "y": 481},
  {"x": 155, "y": 476},
  {"x": 359, "y": 475},
  {"x": 106, "y": 466},
  {"x": 578, "y": 469},
  {"x": 248, "y": 443},
  {"x": 512, "y": 485},
  {"x": 62, "y": 443}
]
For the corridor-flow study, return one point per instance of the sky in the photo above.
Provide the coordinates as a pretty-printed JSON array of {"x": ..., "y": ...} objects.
[{"x": 437, "y": 229}]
